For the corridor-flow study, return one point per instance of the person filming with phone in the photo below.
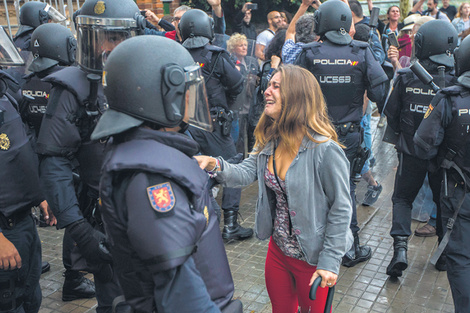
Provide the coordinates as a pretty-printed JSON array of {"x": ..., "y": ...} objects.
[{"x": 242, "y": 21}]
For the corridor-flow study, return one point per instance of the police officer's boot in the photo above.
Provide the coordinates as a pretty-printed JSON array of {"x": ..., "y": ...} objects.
[
  {"x": 357, "y": 253},
  {"x": 399, "y": 261},
  {"x": 233, "y": 230},
  {"x": 76, "y": 286}
]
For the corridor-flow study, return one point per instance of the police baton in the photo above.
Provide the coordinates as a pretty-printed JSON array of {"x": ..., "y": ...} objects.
[
  {"x": 329, "y": 298},
  {"x": 423, "y": 75}
]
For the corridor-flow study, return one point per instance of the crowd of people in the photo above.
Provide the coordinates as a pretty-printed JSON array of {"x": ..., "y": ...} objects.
[{"x": 122, "y": 136}]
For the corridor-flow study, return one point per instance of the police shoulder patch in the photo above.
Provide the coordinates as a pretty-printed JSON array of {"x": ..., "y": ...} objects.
[
  {"x": 428, "y": 112},
  {"x": 161, "y": 196}
]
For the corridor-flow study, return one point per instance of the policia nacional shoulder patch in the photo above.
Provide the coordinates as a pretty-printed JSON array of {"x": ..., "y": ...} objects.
[
  {"x": 4, "y": 142},
  {"x": 428, "y": 112},
  {"x": 161, "y": 196}
]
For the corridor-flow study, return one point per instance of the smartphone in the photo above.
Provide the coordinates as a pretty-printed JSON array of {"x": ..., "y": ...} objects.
[
  {"x": 143, "y": 13},
  {"x": 252, "y": 6},
  {"x": 392, "y": 39}
]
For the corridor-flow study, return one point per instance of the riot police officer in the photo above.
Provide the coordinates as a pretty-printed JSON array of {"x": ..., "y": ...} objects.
[
  {"x": 405, "y": 110},
  {"x": 20, "y": 246},
  {"x": 445, "y": 133},
  {"x": 223, "y": 82},
  {"x": 32, "y": 14},
  {"x": 345, "y": 69},
  {"x": 165, "y": 239},
  {"x": 51, "y": 54},
  {"x": 75, "y": 104}
]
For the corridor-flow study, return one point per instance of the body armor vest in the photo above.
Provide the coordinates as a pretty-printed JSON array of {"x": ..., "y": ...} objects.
[
  {"x": 416, "y": 98},
  {"x": 19, "y": 164},
  {"x": 91, "y": 153},
  {"x": 341, "y": 71},
  {"x": 202, "y": 230},
  {"x": 457, "y": 135},
  {"x": 210, "y": 58},
  {"x": 35, "y": 108}
]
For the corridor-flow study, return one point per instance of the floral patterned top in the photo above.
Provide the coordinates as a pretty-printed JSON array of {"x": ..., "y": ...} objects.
[{"x": 285, "y": 241}]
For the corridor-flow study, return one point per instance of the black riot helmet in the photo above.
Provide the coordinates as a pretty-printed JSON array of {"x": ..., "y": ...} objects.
[
  {"x": 462, "y": 57},
  {"x": 436, "y": 40},
  {"x": 333, "y": 20},
  {"x": 101, "y": 26},
  {"x": 196, "y": 29},
  {"x": 35, "y": 13},
  {"x": 152, "y": 79},
  {"x": 52, "y": 44}
]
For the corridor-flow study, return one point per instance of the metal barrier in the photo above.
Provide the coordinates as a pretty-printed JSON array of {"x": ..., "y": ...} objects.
[{"x": 66, "y": 9}]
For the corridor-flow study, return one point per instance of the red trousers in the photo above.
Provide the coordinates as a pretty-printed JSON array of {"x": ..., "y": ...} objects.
[{"x": 287, "y": 282}]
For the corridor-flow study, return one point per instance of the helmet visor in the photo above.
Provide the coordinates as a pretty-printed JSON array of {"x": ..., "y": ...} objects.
[
  {"x": 196, "y": 98},
  {"x": 95, "y": 43},
  {"x": 54, "y": 15},
  {"x": 8, "y": 54}
]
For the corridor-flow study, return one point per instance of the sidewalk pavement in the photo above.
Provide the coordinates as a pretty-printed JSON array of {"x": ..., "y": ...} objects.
[{"x": 363, "y": 288}]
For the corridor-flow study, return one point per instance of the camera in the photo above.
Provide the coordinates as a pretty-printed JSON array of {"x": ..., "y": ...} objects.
[{"x": 252, "y": 6}]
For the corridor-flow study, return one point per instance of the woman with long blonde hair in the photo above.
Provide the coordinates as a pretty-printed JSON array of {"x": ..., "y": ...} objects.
[{"x": 303, "y": 180}]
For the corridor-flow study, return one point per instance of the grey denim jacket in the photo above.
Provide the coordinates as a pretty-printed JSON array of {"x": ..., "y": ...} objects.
[{"x": 317, "y": 188}]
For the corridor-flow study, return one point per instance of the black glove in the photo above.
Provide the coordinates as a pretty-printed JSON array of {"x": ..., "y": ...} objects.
[{"x": 90, "y": 242}]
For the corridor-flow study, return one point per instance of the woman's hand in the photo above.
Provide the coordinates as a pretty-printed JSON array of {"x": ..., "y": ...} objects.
[
  {"x": 206, "y": 162},
  {"x": 327, "y": 278}
]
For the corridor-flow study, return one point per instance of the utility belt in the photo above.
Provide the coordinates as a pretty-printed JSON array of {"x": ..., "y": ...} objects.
[
  {"x": 11, "y": 221},
  {"x": 345, "y": 128},
  {"x": 222, "y": 120}
]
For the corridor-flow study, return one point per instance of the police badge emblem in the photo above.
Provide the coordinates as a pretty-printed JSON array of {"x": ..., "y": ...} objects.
[
  {"x": 100, "y": 7},
  {"x": 162, "y": 198},
  {"x": 428, "y": 112},
  {"x": 4, "y": 142}
]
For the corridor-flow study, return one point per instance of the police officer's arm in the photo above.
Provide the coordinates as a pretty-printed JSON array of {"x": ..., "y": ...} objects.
[
  {"x": 376, "y": 78},
  {"x": 161, "y": 222},
  {"x": 58, "y": 141},
  {"x": 430, "y": 133},
  {"x": 393, "y": 106},
  {"x": 10, "y": 259},
  {"x": 230, "y": 77}
]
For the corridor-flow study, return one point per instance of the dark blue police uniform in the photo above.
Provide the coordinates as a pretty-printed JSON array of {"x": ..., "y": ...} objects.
[
  {"x": 64, "y": 146},
  {"x": 165, "y": 239},
  {"x": 405, "y": 110},
  {"x": 445, "y": 133},
  {"x": 223, "y": 83},
  {"x": 19, "y": 288}
]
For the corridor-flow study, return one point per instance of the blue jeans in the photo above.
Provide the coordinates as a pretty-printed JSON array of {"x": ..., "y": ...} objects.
[{"x": 365, "y": 124}]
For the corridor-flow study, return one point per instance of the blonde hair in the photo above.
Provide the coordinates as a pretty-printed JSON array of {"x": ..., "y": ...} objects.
[
  {"x": 460, "y": 9},
  {"x": 235, "y": 40},
  {"x": 303, "y": 112}
]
